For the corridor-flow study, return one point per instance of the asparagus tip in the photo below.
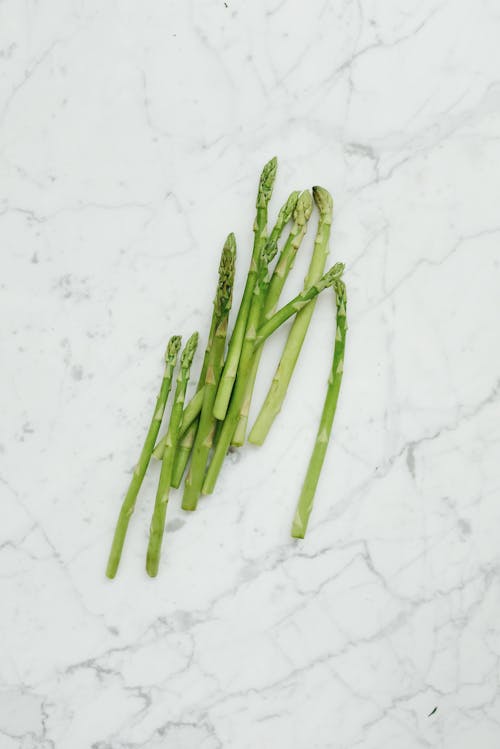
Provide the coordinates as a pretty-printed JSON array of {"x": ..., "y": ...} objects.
[
  {"x": 341, "y": 293},
  {"x": 323, "y": 199},
  {"x": 290, "y": 205},
  {"x": 230, "y": 244},
  {"x": 224, "y": 294},
  {"x": 189, "y": 350},
  {"x": 268, "y": 253},
  {"x": 333, "y": 275},
  {"x": 266, "y": 183},
  {"x": 172, "y": 350},
  {"x": 271, "y": 167},
  {"x": 303, "y": 209}
]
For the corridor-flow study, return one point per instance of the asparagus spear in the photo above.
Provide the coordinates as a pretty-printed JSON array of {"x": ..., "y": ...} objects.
[
  {"x": 301, "y": 214},
  {"x": 266, "y": 184},
  {"x": 128, "y": 504},
  {"x": 206, "y": 425},
  {"x": 306, "y": 499},
  {"x": 224, "y": 288},
  {"x": 277, "y": 391},
  {"x": 254, "y": 339},
  {"x": 247, "y": 352},
  {"x": 186, "y": 443},
  {"x": 160, "y": 509}
]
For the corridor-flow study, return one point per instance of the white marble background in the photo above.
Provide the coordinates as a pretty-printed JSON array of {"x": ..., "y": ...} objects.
[{"x": 131, "y": 138}]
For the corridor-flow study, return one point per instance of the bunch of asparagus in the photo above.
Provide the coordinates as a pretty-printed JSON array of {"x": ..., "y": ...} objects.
[{"x": 216, "y": 417}]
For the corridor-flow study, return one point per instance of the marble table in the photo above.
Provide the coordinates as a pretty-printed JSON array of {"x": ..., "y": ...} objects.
[{"x": 131, "y": 139}]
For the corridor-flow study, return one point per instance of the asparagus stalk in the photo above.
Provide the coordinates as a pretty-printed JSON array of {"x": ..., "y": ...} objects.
[
  {"x": 224, "y": 288},
  {"x": 254, "y": 339},
  {"x": 301, "y": 215},
  {"x": 128, "y": 504},
  {"x": 281, "y": 380},
  {"x": 206, "y": 426},
  {"x": 247, "y": 352},
  {"x": 266, "y": 184},
  {"x": 182, "y": 454},
  {"x": 160, "y": 509},
  {"x": 306, "y": 499},
  {"x": 186, "y": 443}
]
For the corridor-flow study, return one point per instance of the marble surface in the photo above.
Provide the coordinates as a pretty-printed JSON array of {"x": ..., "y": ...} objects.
[{"x": 131, "y": 138}]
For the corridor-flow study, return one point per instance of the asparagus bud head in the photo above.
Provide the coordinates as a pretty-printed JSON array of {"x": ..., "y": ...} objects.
[
  {"x": 341, "y": 294},
  {"x": 332, "y": 276},
  {"x": 224, "y": 294},
  {"x": 287, "y": 211},
  {"x": 172, "y": 350},
  {"x": 266, "y": 183},
  {"x": 189, "y": 350},
  {"x": 323, "y": 200},
  {"x": 303, "y": 209},
  {"x": 285, "y": 214},
  {"x": 268, "y": 254}
]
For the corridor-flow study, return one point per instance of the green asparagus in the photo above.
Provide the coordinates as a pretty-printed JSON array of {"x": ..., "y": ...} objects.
[
  {"x": 160, "y": 509},
  {"x": 128, "y": 505},
  {"x": 206, "y": 424},
  {"x": 236, "y": 342},
  {"x": 202, "y": 431},
  {"x": 277, "y": 391},
  {"x": 224, "y": 288},
  {"x": 186, "y": 442},
  {"x": 301, "y": 214},
  {"x": 306, "y": 499},
  {"x": 253, "y": 339}
]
